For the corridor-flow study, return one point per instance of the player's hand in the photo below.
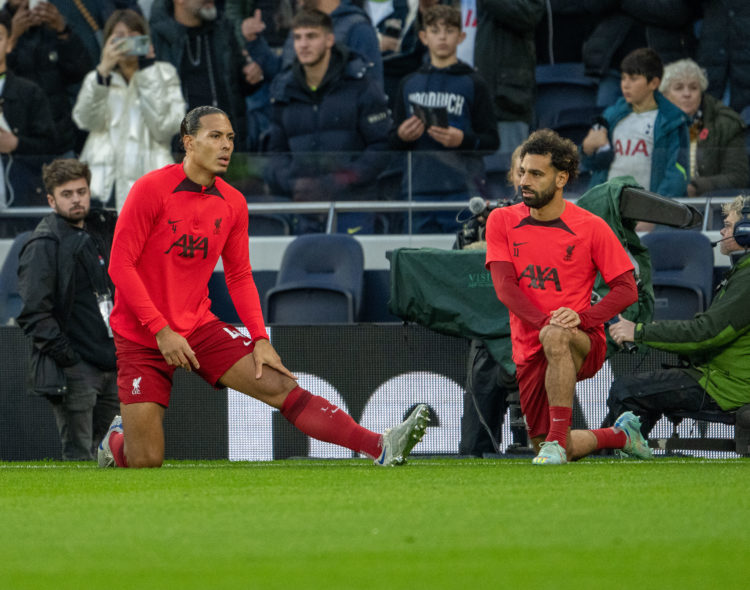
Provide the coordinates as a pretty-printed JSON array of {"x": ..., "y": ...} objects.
[
  {"x": 564, "y": 317},
  {"x": 450, "y": 137},
  {"x": 265, "y": 354},
  {"x": 176, "y": 350},
  {"x": 411, "y": 129},
  {"x": 622, "y": 331},
  {"x": 595, "y": 139}
]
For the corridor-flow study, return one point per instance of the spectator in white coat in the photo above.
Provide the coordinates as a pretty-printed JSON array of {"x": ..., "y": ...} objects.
[{"x": 131, "y": 105}]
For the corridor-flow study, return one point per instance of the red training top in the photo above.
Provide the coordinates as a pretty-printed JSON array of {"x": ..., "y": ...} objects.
[
  {"x": 167, "y": 241},
  {"x": 555, "y": 263}
]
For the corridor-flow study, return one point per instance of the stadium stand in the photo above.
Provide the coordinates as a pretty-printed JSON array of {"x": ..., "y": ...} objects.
[
  {"x": 320, "y": 281},
  {"x": 562, "y": 86},
  {"x": 682, "y": 265}
]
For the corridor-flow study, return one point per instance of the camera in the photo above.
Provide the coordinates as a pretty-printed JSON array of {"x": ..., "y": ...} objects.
[
  {"x": 473, "y": 229},
  {"x": 137, "y": 45}
]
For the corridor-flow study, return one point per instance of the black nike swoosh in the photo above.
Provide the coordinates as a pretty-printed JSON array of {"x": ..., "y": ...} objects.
[
  {"x": 169, "y": 221},
  {"x": 519, "y": 244}
]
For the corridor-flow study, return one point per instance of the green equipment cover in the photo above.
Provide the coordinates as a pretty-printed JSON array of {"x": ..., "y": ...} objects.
[
  {"x": 450, "y": 292},
  {"x": 604, "y": 200}
]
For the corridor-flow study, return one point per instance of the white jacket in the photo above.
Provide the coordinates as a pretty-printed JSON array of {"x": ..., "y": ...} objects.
[{"x": 130, "y": 126}]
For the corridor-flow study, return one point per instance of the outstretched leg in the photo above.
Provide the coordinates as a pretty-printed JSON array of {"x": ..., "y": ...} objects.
[{"x": 316, "y": 416}]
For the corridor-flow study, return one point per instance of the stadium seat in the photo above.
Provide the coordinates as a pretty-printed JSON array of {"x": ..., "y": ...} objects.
[
  {"x": 320, "y": 281},
  {"x": 682, "y": 264},
  {"x": 10, "y": 300},
  {"x": 570, "y": 122},
  {"x": 562, "y": 86},
  {"x": 496, "y": 167},
  {"x": 268, "y": 225}
]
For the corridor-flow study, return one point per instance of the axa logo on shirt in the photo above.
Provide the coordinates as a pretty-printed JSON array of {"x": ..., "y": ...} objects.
[
  {"x": 188, "y": 244},
  {"x": 454, "y": 103},
  {"x": 539, "y": 276}
]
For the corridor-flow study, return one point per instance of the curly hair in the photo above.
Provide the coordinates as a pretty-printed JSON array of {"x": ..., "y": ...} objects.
[{"x": 563, "y": 152}]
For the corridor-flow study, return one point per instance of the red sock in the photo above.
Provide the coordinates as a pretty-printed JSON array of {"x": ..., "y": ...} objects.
[
  {"x": 559, "y": 421},
  {"x": 607, "y": 438},
  {"x": 319, "y": 418},
  {"x": 117, "y": 446}
]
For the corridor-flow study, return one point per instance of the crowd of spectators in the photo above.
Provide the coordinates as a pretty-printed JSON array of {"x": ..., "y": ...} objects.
[{"x": 70, "y": 86}]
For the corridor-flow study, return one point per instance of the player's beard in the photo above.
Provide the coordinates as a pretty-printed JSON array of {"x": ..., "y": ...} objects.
[{"x": 540, "y": 198}]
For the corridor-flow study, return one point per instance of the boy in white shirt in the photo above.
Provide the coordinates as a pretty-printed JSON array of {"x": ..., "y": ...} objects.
[{"x": 642, "y": 135}]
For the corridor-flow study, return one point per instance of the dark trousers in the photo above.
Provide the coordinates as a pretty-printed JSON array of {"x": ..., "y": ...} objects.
[
  {"x": 651, "y": 395},
  {"x": 85, "y": 412}
]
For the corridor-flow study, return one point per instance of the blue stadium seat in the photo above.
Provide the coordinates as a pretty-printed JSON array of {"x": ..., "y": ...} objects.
[
  {"x": 496, "y": 167},
  {"x": 268, "y": 225},
  {"x": 562, "y": 86},
  {"x": 320, "y": 281},
  {"x": 570, "y": 122},
  {"x": 10, "y": 300},
  {"x": 682, "y": 265}
]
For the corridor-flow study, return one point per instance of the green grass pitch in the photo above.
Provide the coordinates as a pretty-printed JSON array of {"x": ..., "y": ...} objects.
[{"x": 435, "y": 523}]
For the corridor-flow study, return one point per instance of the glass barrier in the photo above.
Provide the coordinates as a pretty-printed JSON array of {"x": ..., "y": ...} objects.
[{"x": 358, "y": 193}]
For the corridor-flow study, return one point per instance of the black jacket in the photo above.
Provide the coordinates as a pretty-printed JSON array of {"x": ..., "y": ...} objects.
[
  {"x": 505, "y": 54},
  {"x": 666, "y": 26},
  {"x": 724, "y": 50},
  {"x": 46, "y": 283},
  {"x": 347, "y": 117},
  {"x": 170, "y": 38},
  {"x": 27, "y": 111},
  {"x": 54, "y": 64}
]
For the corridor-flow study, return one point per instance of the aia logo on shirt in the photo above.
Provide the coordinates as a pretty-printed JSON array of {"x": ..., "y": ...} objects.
[
  {"x": 631, "y": 148},
  {"x": 539, "y": 277},
  {"x": 188, "y": 244}
]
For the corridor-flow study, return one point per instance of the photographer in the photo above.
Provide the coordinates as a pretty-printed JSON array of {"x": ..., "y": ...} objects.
[
  {"x": 490, "y": 389},
  {"x": 132, "y": 105}
]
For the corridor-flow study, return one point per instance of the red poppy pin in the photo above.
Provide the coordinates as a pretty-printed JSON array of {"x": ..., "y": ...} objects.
[{"x": 703, "y": 134}]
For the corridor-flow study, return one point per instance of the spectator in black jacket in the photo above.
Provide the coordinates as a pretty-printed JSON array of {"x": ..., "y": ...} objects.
[
  {"x": 48, "y": 52},
  {"x": 200, "y": 43},
  {"x": 505, "y": 56},
  {"x": 67, "y": 296},
  {"x": 329, "y": 124},
  {"x": 666, "y": 26},
  {"x": 27, "y": 132},
  {"x": 724, "y": 50}
]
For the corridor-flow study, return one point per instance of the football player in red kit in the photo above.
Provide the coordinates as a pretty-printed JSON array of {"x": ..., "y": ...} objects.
[
  {"x": 176, "y": 223},
  {"x": 544, "y": 255}
]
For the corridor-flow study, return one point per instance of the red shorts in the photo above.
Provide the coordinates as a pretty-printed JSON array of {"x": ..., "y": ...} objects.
[
  {"x": 531, "y": 375},
  {"x": 144, "y": 376}
]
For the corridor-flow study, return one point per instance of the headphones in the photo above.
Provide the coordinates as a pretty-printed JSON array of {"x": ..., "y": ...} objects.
[{"x": 741, "y": 232}]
